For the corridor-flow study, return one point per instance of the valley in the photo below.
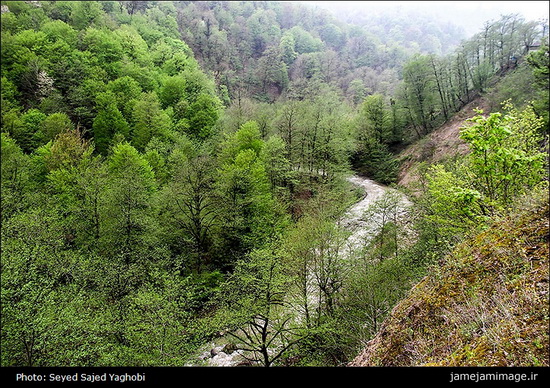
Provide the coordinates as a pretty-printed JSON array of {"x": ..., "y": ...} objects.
[{"x": 271, "y": 184}]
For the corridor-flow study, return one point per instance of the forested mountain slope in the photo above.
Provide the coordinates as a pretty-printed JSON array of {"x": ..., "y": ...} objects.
[
  {"x": 177, "y": 173},
  {"x": 485, "y": 303},
  {"x": 517, "y": 86},
  {"x": 265, "y": 49},
  {"x": 442, "y": 144}
]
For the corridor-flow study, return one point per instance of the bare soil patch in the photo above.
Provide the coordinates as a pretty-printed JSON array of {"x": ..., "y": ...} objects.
[{"x": 441, "y": 144}]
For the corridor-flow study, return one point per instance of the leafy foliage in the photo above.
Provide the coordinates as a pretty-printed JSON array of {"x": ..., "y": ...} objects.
[
  {"x": 504, "y": 163},
  {"x": 176, "y": 170}
]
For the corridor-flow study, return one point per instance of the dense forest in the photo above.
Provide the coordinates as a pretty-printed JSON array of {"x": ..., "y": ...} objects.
[{"x": 174, "y": 174}]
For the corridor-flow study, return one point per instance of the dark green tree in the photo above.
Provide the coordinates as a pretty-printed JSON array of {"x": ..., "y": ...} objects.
[{"x": 108, "y": 123}]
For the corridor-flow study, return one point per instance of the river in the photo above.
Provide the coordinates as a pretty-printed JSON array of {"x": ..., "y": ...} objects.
[{"x": 361, "y": 228}]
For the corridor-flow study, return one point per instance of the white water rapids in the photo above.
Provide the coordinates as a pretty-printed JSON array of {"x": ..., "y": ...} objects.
[
  {"x": 361, "y": 229},
  {"x": 354, "y": 221}
]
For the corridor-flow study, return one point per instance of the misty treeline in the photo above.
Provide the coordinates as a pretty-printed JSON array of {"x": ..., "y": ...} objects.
[{"x": 175, "y": 170}]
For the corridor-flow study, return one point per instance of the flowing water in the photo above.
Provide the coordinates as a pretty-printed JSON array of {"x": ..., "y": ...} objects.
[
  {"x": 361, "y": 228},
  {"x": 354, "y": 221}
]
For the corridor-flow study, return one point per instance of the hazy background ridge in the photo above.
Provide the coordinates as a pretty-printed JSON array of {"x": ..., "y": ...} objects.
[{"x": 470, "y": 15}]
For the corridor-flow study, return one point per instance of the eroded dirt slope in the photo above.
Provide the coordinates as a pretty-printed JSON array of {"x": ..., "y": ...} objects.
[{"x": 441, "y": 144}]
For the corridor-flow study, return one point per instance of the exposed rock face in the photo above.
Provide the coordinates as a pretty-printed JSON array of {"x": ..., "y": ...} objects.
[{"x": 486, "y": 306}]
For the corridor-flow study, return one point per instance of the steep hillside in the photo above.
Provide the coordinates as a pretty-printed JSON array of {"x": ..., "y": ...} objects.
[
  {"x": 441, "y": 144},
  {"x": 487, "y": 305}
]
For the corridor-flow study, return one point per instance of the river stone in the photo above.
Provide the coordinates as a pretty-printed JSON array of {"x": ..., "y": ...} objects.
[
  {"x": 230, "y": 348},
  {"x": 215, "y": 351}
]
